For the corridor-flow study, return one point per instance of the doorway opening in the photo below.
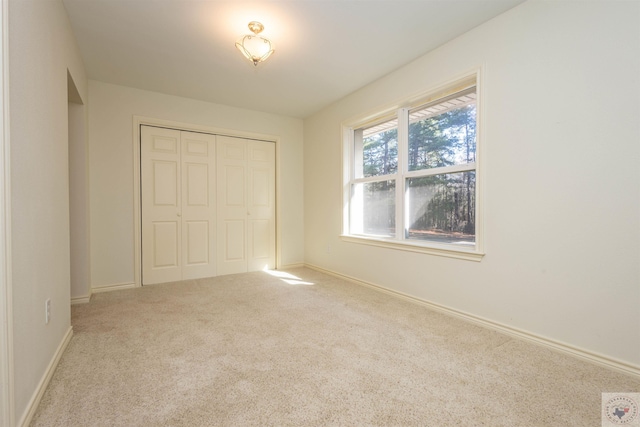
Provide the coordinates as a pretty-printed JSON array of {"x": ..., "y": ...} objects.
[{"x": 78, "y": 197}]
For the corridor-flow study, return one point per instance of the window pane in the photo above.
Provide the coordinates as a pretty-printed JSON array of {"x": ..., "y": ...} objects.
[
  {"x": 443, "y": 134},
  {"x": 374, "y": 209},
  {"x": 380, "y": 149},
  {"x": 441, "y": 208}
]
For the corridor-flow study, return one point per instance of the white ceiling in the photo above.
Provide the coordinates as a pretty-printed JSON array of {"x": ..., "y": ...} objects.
[{"x": 324, "y": 49}]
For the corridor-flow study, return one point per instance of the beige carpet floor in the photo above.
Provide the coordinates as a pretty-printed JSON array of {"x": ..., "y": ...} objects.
[{"x": 305, "y": 350}]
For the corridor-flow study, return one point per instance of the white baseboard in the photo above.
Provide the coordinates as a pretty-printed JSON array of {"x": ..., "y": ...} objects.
[
  {"x": 80, "y": 300},
  {"x": 589, "y": 356},
  {"x": 291, "y": 266},
  {"x": 44, "y": 382},
  {"x": 115, "y": 287}
]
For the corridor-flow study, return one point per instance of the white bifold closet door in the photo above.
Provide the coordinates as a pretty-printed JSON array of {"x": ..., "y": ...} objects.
[
  {"x": 246, "y": 205},
  {"x": 178, "y": 205},
  {"x": 208, "y": 205}
]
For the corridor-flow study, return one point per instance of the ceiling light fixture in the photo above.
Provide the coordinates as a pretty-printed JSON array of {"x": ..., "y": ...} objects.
[{"x": 254, "y": 47}]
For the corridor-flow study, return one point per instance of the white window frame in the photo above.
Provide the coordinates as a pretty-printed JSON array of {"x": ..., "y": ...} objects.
[{"x": 401, "y": 111}]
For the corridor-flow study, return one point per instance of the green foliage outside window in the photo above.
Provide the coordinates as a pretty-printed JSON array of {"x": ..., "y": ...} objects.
[{"x": 413, "y": 172}]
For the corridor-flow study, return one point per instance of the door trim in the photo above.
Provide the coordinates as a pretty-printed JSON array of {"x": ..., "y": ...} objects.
[
  {"x": 137, "y": 201},
  {"x": 7, "y": 409}
]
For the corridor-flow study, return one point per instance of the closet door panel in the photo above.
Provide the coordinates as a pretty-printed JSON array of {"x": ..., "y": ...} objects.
[
  {"x": 165, "y": 241},
  {"x": 261, "y": 206},
  {"x": 198, "y": 166},
  {"x": 161, "y": 223},
  {"x": 232, "y": 205}
]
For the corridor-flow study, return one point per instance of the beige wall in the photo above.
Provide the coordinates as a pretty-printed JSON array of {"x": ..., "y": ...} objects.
[
  {"x": 560, "y": 82},
  {"x": 111, "y": 112},
  {"x": 42, "y": 48}
]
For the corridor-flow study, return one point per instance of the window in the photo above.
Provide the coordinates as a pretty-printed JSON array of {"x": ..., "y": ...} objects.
[{"x": 411, "y": 176}]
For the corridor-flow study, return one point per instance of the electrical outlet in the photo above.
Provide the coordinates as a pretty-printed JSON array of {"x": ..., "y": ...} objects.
[
  {"x": 47, "y": 311},
  {"x": 328, "y": 250}
]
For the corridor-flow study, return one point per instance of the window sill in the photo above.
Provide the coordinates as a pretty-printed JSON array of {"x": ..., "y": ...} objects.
[{"x": 448, "y": 251}]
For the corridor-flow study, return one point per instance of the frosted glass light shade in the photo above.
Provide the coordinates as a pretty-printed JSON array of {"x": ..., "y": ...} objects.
[{"x": 255, "y": 48}]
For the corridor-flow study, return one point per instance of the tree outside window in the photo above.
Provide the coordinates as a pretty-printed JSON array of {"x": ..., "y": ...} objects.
[{"x": 420, "y": 184}]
